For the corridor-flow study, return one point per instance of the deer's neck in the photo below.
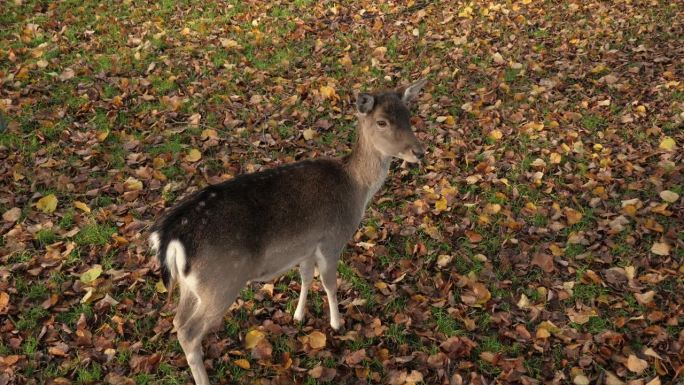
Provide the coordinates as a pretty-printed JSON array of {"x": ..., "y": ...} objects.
[{"x": 367, "y": 166}]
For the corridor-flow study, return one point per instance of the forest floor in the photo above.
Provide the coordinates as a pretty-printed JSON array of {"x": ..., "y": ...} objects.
[{"x": 542, "y": 242}]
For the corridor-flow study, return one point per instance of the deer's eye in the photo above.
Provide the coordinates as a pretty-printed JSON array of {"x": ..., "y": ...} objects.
[{"x": 382, "y": 123}]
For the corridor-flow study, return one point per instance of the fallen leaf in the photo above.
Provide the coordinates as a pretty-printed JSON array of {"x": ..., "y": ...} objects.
[
  {"x": 645, "y": 298},
  {"x": 316, "y": 340},
  {"x": 669, "y": 196},
  {"x": 159, "y": 287},
  {"x": 243, "y": 363},
  {"x": 133, "y": 184},
  {"x": 193, "y": 155},
  {"x": 47, "y": 204},
  {"x": 660, "y": 248},
  {"x": 67, "y": 74},
  {"x": 253, "y": 337},
  {"x": 635, "y": 364},
  {"x": 495, "y": 134},
  {"x": 12, "y": 215},
  {"x": 667, "y": 144},
  {"x": 580, "y": 379},
  {"x": 308, "y": 134},
  {"x": 4, "y": 301},
  {"x": 328, "y": 92},
  {"x": 91, "y": 274},
  {"x": 82, "y": 206}
]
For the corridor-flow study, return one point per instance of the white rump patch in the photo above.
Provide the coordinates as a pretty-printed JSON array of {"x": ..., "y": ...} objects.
[
  {"x": 175, "y": 258},
  {"x": 154, "y": 241}
]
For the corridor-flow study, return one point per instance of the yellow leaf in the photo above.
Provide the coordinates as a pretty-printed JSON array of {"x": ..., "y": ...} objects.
[
  {"x": 467, "y": 12},
  {"x": 524, "y": 303},
  {"x": 253, "y": 337},
  {"x": 308, "y": 134},
  {"x": 243, "y": 363},
  {"x": 193, "y": 156},
  {"x": 444, "y": 260},
  {"x": 209, "y": 134},
  {"x": 47, "y": 204},
  {"x": 91, "y": 274},
  {"x": 346, "y": 61},
  {"x": 160, "y": 288},
  {"x": 668, "y": 144},
  {"x": 543, "y": 333},
  {"x": 82, "y": 206},
  {"x": 636, "y": 364},
  {"x": 669, "y": 196},
  {"x": 449, "y": 121},
  {"x": 132, "y": 184},
  {"x": 495, "y": 134},
  {"x": 328, "y": 92},
  {"x": 555, "y": 158},
  {"x": 526, "y": 1},
  {"x": 102, "y": 135},
  {"x": 185, "y": 31},
  {"x": 492, "y": 208},
  {"x": 316, "y": 340},
  {"x": 580, "y": 379},
  {"x": 660, "y": 248},
  {"x": 441, "y": 204}
]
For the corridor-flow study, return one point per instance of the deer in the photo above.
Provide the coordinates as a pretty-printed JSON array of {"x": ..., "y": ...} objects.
[{"x": 258, "y": 226}]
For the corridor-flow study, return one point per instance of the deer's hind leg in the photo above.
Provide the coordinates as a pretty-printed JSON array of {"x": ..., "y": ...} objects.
[
  {"x": 306, "y": 270},
  {"x": 200, "y": 309}
]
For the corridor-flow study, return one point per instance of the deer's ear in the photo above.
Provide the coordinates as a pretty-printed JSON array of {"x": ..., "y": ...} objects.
[
  {"x": 365, "y": 103},
  {"x": 411, "y": 92}
]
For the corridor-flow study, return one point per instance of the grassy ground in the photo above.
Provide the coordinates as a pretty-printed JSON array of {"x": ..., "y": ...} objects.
[{"x": 542, "y": 243}]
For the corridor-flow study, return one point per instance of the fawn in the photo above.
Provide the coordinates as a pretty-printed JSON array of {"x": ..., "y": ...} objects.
[{"x": 258, "y": 226}]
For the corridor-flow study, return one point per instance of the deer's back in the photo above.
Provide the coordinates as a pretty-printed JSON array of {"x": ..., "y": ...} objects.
[{"x": 305, "y": 202}]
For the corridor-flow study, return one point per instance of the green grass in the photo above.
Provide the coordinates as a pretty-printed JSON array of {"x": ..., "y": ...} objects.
[
  {"x": 46, "y": 237},
  {"x": 94, "y": 234}
]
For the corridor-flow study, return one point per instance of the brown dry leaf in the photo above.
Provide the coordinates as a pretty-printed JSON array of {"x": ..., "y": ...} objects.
[
  {"x": 669, "y": 196},
  {"x": 308, "y": 134},
  {"x": 612, "y": 379},
  {"x": 12, "y": 215},
  {"x": 4, "y": 301},
  {"x": 473, "y": 237},
  {"x": 660, "y": 248},
  {"x": 572, "y": 215},
  {"x": 645, "y": 298},
  {"x": 209, "y": 133},
  {"x": 316, "y": 340},
  {"x": 544, "y": 261},
  {"x": 635, "y": 364}
]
